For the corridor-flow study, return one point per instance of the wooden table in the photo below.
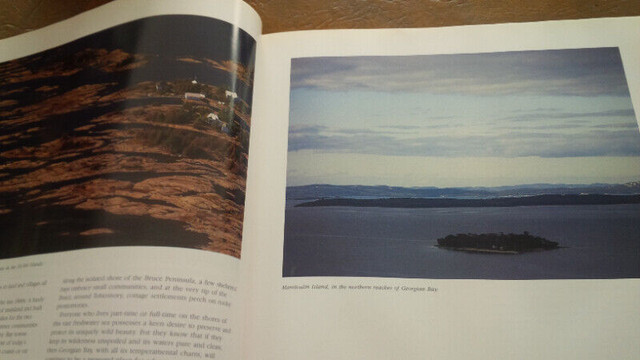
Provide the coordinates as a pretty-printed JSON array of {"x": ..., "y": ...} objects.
[{"x": 285, "y": 15}]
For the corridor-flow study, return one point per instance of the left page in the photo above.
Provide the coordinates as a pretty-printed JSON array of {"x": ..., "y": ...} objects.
[{"x": 123, "y": 159}]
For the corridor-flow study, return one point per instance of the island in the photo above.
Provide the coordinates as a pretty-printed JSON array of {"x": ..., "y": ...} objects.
[{"x": 496, "y": 243}]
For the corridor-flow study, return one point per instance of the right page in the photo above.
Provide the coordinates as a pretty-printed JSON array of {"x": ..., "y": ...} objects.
[{"x": 467, "y": 192}]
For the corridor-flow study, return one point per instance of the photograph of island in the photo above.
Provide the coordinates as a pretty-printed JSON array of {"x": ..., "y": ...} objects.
[
  {"x": 507, "y": 165},
  {"x": 135, "y": 135}
]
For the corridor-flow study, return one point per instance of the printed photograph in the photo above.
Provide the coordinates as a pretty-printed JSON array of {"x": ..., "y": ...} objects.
[
  {"x": 136, "y": 135},
  {"x": 509, "y": 165}
]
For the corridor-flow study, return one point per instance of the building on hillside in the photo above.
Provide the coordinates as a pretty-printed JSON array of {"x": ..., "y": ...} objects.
[
  {"x": 194, "y": 96},
  {"x": 231, "y": 94},
  {"x": 214, "y": 120}
]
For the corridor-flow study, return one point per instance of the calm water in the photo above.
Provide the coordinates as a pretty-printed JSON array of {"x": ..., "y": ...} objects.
[{"x": 598, "y": 242}]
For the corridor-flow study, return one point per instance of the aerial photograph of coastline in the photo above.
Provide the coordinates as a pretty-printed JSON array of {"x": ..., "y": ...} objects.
[
  {"x": 509, "y": 165},
  {"x": 135, "y": 135}
]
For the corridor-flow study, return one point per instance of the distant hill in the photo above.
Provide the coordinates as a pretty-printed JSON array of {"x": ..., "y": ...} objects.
[
  {"x": 324, "y": 191},
  {"x": 538, "y": 200}
]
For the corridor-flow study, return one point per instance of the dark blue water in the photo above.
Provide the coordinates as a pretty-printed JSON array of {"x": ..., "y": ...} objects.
[{"x": 599, "y": 242}]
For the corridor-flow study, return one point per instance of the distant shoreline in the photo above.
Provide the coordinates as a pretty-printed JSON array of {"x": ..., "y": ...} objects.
[{"x": 537, "y": 200}]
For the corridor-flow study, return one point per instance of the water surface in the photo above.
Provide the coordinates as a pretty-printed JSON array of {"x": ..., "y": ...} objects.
[{"x": 598, "y": 242}]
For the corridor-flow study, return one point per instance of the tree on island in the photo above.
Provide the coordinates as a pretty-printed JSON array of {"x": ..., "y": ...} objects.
[{"x": 492, "y": 242}]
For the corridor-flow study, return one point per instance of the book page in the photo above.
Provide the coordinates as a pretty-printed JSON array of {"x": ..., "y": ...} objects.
[
  {"x": 125, "y": 139},
  {"x": 467, "y": 192}
]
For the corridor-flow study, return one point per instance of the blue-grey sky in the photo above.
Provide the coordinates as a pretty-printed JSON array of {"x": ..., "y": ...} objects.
[{"x": 555, "y": 116}]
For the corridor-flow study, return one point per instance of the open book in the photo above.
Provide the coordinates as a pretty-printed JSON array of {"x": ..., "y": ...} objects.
[{"x": 175, "y": 185}]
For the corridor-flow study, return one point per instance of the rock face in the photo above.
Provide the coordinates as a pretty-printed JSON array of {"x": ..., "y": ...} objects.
[
  {"x": 90, "y": 161},
  {"x": 496, "y": 243}
]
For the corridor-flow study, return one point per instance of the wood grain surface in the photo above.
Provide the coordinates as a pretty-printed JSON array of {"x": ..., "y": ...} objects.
[{"x": 21, "y": 16}]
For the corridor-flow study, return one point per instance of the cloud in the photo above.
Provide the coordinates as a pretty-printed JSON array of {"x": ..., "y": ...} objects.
[
  {"x": 402, "y": 127},
  {"x": 546, "y": 143},
  {"x": 574, "y": 72},
  {"x": 629, "y": 113},
  {"x": 631, "y": 125},
  {"x": 305, "y": 129}
]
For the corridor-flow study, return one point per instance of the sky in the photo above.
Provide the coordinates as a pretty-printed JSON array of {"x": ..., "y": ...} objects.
[{"x": 493, "y": 119}]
